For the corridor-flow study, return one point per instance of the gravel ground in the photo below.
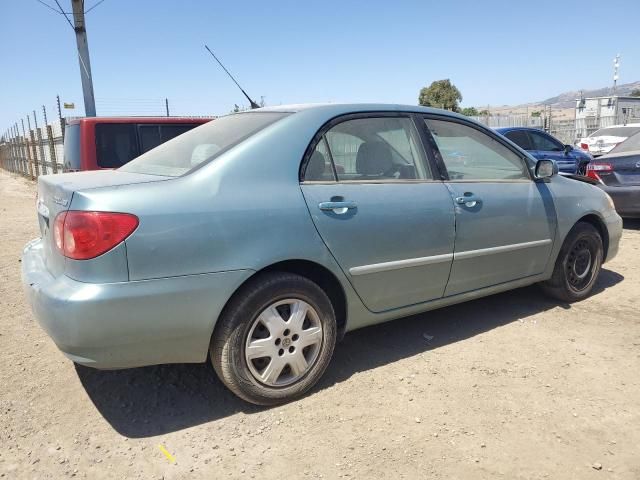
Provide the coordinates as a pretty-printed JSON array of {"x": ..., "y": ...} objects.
[{"x": 510, "y": 386}]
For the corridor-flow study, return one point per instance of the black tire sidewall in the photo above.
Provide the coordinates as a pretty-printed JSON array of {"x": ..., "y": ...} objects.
[
  {"x": 581, "y": 231},
  {"x": 236, "y": 322}
]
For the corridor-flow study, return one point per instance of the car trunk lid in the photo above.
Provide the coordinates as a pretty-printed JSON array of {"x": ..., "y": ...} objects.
[
  {"x": 54, "y": 196},
  {"x": 625, "y": 169}
]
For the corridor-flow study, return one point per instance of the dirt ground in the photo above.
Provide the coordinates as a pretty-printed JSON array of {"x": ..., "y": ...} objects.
[{"x": 510, "y": 386}]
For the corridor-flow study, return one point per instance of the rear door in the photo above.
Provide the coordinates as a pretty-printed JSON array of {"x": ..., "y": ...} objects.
[
  {"x": 505, "y": 222},
  {"x": 373, "y": 199}
]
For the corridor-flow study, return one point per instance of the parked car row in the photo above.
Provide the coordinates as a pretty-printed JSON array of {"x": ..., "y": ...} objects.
[
  {"x": 616, "y": 169},
  {"x": 259, "y": 239},
  {"x": 542, "y": 145},
  {"x": 603, "y": 140},
  {"x": 618, "y": 174}
]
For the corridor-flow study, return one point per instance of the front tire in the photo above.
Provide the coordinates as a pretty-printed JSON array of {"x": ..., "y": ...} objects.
[
  {"x": 275, "y": 339},
  {"x": 578, "y": 264}
]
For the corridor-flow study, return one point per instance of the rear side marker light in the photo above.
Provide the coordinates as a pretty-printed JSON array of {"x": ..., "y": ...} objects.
[
  {"x": 84, "y": 235},
  {"x": 584, "y": 146}
]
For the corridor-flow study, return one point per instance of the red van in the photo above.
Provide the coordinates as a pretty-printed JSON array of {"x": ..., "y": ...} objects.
[{"x": 110, "y": 142}]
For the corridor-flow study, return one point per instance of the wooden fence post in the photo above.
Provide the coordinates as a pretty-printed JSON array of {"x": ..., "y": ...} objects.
[
  {"x": 52, "y": 150},
  {"x": 28, "y": 152},
  {"x": 43, "y": 159}
]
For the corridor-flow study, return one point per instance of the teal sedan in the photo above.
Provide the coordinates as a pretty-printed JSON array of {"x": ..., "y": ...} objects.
[{"x": 261, "y": 238}]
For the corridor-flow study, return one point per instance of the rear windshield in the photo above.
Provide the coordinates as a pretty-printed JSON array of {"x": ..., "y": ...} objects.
[
  {"x": 71, "y": 160},
  {"x": 153, "y": 135},
  {"x": 615, "y": 132},
  {"x": 631, "y": 144},
  {"x": 176, "y": 157}
]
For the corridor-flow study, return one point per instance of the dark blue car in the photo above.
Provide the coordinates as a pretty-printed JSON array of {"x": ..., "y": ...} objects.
[{"x": 544, "y": 146}]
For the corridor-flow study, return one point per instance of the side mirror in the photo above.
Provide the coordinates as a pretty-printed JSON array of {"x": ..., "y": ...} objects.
[
  {"x": 546, "y": 169},
  {"x": 567, "y": 149}
]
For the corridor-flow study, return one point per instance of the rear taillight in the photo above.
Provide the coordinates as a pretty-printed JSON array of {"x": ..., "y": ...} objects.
[
  {"x": 594, "y": 169},
  {"x": 584, "y": 146},
  {"x": 83, "y": 235}
]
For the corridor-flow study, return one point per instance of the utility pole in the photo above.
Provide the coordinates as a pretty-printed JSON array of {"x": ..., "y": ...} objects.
[
  {"x": 616, "y": 66},
  {"x": 83, "y": 57}
]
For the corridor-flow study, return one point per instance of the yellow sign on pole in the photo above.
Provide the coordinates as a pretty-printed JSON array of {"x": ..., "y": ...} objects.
[{"x": 70, "y": 106}]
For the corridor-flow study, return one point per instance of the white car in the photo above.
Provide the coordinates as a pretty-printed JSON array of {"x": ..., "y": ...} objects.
[{"x": 604, "y": 139}]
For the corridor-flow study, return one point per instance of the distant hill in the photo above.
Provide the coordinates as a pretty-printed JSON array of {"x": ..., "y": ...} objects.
[{"x": 567, "y": 99}]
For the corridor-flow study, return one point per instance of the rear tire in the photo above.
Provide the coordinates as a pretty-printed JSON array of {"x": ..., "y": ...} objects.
[
  {"x": 577, "y": 266},
  {"x": 275, "y": 339}
]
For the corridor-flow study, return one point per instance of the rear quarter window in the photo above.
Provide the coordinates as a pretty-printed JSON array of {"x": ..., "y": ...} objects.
[{"x": 71, "y": 160}]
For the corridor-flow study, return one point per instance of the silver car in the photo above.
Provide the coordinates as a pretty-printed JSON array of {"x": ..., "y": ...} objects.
[{"x": 262, "y": 237}]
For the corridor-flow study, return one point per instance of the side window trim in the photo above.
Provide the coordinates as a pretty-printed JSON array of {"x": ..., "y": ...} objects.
[
  {"x": 488, "y": 132},
  {"x": 321, "y": 134},
  {"x": 334, "y": 171}
]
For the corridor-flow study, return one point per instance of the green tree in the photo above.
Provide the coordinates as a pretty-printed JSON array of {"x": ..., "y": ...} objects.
[
  {"x": 469, "y": 111},
  {"x": 484, "y": 113},
  {"x": 635, "y": 92},
  {"x": 440, "y": 94},
  {"x": 536, "y": 114}
]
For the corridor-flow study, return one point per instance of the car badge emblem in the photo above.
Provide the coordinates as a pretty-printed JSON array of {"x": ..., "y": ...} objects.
[
  {"x": 637, "y": 164},
  {"x": 60, "y": 200}
]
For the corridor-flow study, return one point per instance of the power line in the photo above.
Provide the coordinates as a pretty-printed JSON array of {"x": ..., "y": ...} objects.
[
  {"x": 94, "y": 6},
  {"x": 48, "y": 6},
  {"x": 65, "y": 15}
]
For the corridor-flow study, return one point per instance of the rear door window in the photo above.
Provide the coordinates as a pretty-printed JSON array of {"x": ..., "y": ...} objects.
[
  {"x": 116, "y": 144},
  {"x": 377, "y": 149},
  {"x": 520, "y": 138},
  {"x": 545, "y": 143}
]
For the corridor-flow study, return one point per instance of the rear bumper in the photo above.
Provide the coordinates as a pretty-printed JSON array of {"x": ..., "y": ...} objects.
[
  {"x": 127, "y": 324},
  {"x": 626, "y": 199}
]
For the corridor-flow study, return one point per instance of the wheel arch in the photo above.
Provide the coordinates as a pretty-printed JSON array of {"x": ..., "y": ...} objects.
[
  {"x": 601, "y": 227},
  {"x": 317, "y": 273}
]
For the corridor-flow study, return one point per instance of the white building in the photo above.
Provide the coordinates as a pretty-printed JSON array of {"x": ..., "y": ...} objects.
[{"x": 597, "y": 112}]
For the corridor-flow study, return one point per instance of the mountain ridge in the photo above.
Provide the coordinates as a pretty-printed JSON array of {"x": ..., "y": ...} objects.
[{"x": 567, "y": 99}]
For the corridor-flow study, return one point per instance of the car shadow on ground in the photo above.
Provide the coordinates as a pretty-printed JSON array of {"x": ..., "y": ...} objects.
[
  {"x": 631, "y": 223},
  {"x": 149, "y": 401}
]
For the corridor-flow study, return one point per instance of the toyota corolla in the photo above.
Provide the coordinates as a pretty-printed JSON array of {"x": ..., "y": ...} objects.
[{"x": 260, "y": 239}]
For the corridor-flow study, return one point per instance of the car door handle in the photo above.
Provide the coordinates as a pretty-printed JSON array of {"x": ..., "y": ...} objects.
[
  {"x": 339, "y": 208},
  {"x": 468, "y": 200}
]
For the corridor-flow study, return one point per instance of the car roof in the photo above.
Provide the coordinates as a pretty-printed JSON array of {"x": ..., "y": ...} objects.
[
  {"x": 94, "y": 120},
  {"x": 512, "y": 129},
  {"x": 346, "y": 108}
]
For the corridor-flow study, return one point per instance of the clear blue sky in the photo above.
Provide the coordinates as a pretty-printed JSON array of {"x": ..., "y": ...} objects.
[{"x": 385, "y": 51}]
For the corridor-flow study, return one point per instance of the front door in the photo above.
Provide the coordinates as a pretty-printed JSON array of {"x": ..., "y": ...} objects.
[
  {"x": 505, "y": 222},
  {"x": 374, "y": 201}
]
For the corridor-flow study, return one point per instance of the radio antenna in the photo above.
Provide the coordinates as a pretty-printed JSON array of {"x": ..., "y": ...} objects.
[{"x": 251, "y": 102}]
